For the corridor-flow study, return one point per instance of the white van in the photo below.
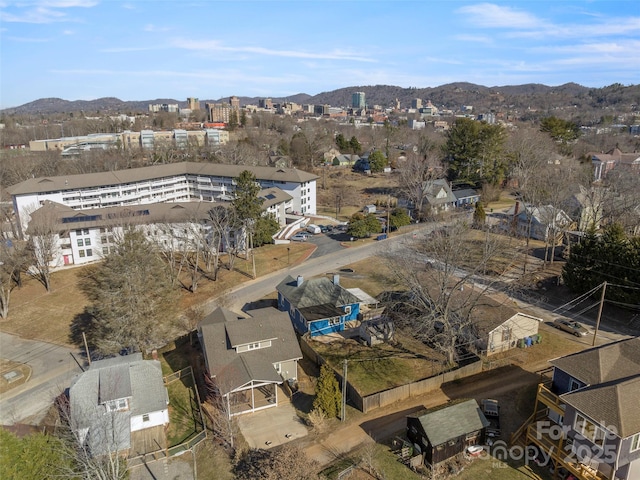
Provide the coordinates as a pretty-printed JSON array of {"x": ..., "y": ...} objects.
[{"x": 313, "y": 229}]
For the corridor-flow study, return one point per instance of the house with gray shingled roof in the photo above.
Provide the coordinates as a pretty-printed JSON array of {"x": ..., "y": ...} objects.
[
  {"x": 247, "y": 358},
  {"x": 587, "y": 418},
  {"x": 319, "y": 306},
  {"x": 447, "y": 430},
  {"x": 116, "y": 398}
]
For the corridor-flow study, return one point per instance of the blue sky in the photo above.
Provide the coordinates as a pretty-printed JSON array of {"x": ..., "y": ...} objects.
[{"x": 146, "y": 49}]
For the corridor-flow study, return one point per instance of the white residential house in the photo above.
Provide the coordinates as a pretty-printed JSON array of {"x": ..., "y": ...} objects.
[{"x": 114, "y": 399}]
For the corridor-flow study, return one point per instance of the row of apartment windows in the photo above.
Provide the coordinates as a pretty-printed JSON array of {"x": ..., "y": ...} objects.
[{"x": 85, "y": 253}]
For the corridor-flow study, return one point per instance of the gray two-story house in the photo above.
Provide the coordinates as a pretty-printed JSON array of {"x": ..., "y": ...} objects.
[{"x": 587, "y": 418}]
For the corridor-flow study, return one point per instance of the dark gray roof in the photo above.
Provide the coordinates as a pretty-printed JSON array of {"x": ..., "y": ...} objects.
[
  {"x": 465, "y": 193},
  {"x": 66, "y": 218},
  {"x": 602, "y": 364},
  {"x": 117, "y": 177},
  {"x": 273, "y": 196},
  {"x": 432, "y": 192},
  {"x": 223, "y": 329},
  {"x": 315, "y": 292},
  {"x": 447, "y": 423},
  {"x": 613, "y": 405}
]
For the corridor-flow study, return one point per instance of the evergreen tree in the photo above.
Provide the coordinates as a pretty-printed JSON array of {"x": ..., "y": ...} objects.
[
  {"x": 341, "y": 143},
  {"x": 377, "y": 161},
  {"x": 246, "y": 203},
  {"x": 399, "y": 218},
  {"x": 354, "y": 145},
  {"x": 34, "y": 456},
  {"x": 132, "y": 301},
  {"x": 233, "y": 121},
  {"x": 611, "y": 257},
  {"x": 328, "y": 396},
  {"x": 474, "y": 152},
  {"x": 479, "y": 215},
  {"x": 265, "y": 229},
  {"x": 362, "y": 226}
]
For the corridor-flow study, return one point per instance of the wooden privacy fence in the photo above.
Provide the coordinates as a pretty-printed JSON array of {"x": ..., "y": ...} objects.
[{"x": 386, "y": 397}]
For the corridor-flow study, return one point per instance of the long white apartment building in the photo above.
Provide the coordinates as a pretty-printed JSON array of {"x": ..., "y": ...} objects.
[
  {"x": 87, "y": 236},
  {"x": 176, "y": 182}
]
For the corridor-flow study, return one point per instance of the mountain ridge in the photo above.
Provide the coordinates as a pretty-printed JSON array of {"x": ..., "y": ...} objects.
[{"x": 451, "y": 95}]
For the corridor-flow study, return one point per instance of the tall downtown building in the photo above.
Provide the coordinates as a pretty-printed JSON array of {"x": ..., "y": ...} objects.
[{"x": 358, "y": 100}]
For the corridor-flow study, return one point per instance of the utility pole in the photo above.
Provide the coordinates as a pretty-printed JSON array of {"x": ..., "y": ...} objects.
[
  {"x": 595, "y": 332},
  {"x": 388, "y": 232},
  {"x": 344, "y": 390},
  {"x": 86, "y": 348}
]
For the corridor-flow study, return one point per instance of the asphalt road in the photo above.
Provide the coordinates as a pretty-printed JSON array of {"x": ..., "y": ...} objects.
[
  {"x": 241, "y": 296},
  {"x": 53, "y": 367}
]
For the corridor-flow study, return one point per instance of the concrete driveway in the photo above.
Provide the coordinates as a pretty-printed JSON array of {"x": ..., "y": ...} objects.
[{"x": 271, "y": 427}]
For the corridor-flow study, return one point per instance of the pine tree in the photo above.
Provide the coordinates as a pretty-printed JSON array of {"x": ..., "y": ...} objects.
[
  {"x": 479, "y": 216},
  {"x": 328, "y": 396},
  {"x": 132, "y": 298}
]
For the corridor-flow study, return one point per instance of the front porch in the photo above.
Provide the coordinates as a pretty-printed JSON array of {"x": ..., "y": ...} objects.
[{"x": 252, "y": 397}]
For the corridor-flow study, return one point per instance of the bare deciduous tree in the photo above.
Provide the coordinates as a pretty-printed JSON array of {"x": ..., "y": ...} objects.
[{"x": 439, "y": 273}]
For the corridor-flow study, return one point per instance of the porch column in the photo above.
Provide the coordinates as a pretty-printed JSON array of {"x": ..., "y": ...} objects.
[{"x": 253, "y": 401}]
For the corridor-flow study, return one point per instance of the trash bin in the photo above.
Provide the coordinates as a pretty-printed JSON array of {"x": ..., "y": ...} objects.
[
  {"x": 521, "y": 343},
  {"x": 537, "y": 338}
]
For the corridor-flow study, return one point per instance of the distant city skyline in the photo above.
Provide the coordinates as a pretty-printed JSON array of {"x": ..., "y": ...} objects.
[{"x": 143, "y": 50}]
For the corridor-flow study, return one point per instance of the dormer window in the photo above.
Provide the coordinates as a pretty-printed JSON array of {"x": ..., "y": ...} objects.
[{"x": 119, "y": 405}]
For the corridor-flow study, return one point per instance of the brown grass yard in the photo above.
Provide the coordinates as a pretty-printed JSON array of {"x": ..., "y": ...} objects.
[
  {"x": 372, "y": 369},
  {"x": 38, "y": 315}
]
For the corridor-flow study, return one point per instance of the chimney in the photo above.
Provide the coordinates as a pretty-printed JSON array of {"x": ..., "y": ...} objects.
[
  {"x": 299, "y": 280},
  {"x": 336, "y": 279}
]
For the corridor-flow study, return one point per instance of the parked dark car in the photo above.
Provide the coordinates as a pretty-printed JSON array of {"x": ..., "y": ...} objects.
[
  {"x": 491, "y": 410},
  {"x": 570, "y": 326}
]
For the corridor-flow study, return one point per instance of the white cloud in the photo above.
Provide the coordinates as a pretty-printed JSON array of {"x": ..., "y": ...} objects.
[
  {"x": 154, "y": 28},
  {"x": 491, "y": 15},
  {"x": 28, "y": 39},
  {"x": 474, "y": 38},
  {"x": 216, "y": 46},
  {"x": 43, "y": 11}
]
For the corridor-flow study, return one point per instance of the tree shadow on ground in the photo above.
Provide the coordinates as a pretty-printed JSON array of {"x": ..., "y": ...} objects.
[{"x": 82, "y": 323}]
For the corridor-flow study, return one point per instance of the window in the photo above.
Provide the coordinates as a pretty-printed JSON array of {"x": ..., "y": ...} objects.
[
  {"x": 278, "y": 367},
  {"x": 85, "y": 231},
  {"x": 573, "y": 385},
  {"x": 589, "y": 430},
  {"x": 105, "y": 250},
  {"x": 145, "y": 417},
  {"x": 87, "y": 242},
  {"x": 81, "y": 253},
  {"x": 80, "y": 242},
  {"x": 506, "y": 334},
  {"x": 117, "y": 405},
  {"x": 334, "y": 321},
  {"x": 347, "y": 310},
  {"x": 89, "y": 252},
  {"x": 253, "y": 346},
  {"x": 78, "y": 232},
  {"x": 635, "y": 442}
]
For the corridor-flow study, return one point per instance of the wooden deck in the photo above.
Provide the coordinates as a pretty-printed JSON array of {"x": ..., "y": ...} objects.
[{"x": 148, "y": 440}]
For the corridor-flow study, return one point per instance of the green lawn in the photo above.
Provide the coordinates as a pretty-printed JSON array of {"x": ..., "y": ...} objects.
[{"x": 184, "y": 408}]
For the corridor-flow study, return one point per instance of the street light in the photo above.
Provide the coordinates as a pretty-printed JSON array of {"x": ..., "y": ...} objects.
[{"x": 288, "y": 252}]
